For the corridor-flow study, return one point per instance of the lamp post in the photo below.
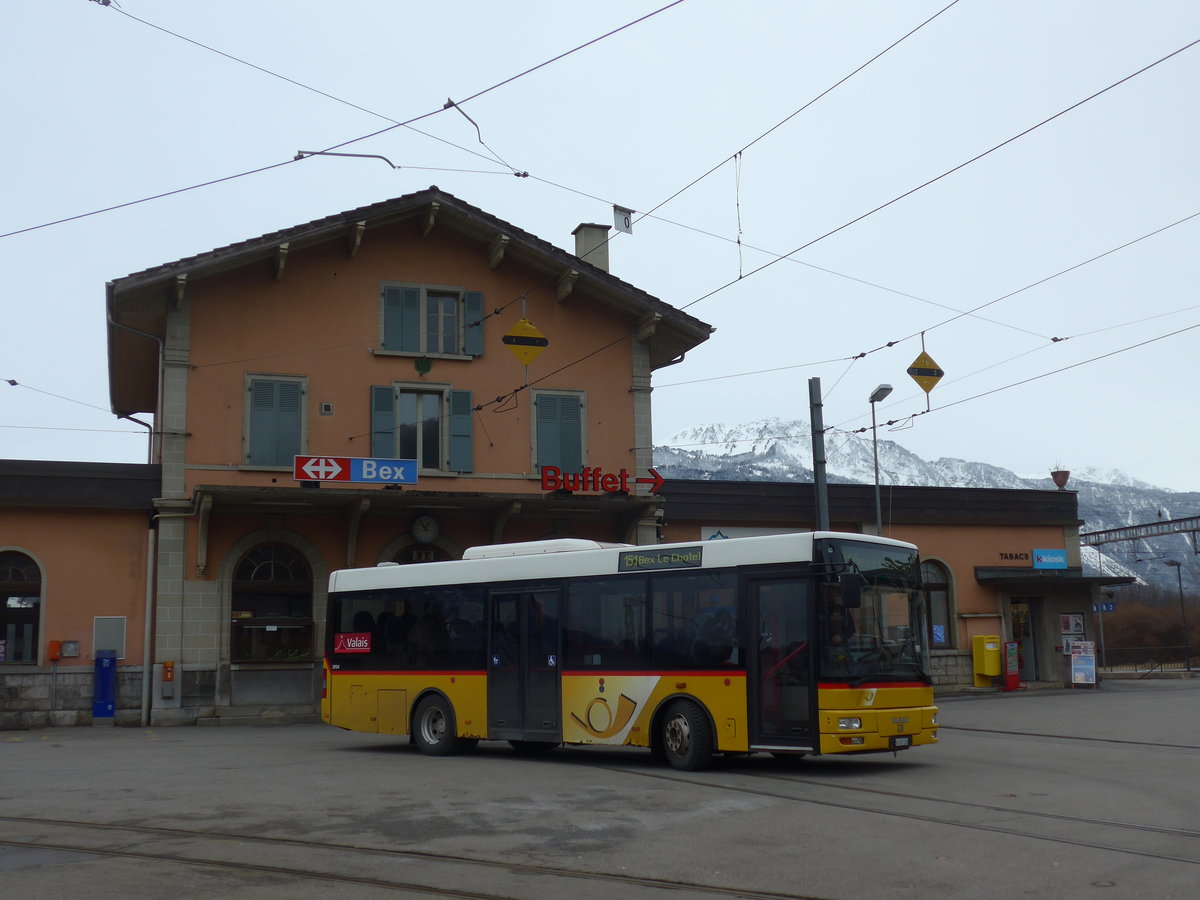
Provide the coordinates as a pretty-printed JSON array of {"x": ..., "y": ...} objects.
[
  {"x": 877, "y": 395},
  {"x": 1187, "y": 646}
]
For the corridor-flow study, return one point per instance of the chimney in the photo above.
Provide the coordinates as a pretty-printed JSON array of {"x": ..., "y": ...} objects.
[{"x": 591, "y": 244}]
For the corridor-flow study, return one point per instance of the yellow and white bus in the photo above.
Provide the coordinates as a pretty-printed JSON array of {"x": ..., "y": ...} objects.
[{"x": 791, "y": 644}]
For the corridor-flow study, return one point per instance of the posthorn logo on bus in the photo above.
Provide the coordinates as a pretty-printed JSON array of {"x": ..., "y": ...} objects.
[{"x": 352, "y": 642}]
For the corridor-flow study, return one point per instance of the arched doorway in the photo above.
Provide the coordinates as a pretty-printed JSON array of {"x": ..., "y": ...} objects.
[
  {"x": 271, "y": 606},
  {"x": 20, "y": 607}
]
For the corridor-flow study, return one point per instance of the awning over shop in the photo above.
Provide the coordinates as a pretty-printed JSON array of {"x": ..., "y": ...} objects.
[{"x": 1044, "y": 579}]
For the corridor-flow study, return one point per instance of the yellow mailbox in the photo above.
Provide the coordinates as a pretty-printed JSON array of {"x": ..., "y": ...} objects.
[{"x": 986, "y": 655}]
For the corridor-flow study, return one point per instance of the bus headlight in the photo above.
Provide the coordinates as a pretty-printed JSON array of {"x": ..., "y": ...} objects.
[{"x": 852, "y": 723}]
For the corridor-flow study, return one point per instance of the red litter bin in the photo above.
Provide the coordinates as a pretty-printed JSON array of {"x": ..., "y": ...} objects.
[{"x": 1012, "y": 667}]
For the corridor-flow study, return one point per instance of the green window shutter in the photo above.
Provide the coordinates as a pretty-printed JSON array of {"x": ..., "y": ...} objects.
[
  {"x": 572, "y": 433},
  {"x": 473, "y": 321},
  {"x": 383, "y": 422},
  {"x": 547, "y": 431},
  {"x": 402, "y": 319},
  {"x": 275, "y": 419},
  {"x": 559, "y": 432},
  {"x": 462, "y": 457}
]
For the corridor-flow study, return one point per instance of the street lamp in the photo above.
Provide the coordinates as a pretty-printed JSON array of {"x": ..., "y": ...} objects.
[
  {"x": 1187, "y": 646},
  {"x": 880, "y": 393}
]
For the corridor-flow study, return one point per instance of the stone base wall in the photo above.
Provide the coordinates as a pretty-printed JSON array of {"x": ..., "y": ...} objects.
[
  {"x": 952, "y": 670},
  {"x": 35, "y": 697}
]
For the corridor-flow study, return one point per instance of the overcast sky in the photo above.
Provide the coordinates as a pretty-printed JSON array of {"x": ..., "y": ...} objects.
[{"x": 102, "y": 109}]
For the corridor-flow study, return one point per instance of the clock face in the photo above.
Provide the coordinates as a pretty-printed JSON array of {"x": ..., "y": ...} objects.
[{"x": 425, "y": 529}]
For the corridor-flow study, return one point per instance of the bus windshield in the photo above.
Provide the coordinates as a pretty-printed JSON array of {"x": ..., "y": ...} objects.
[{"x": 872, "y": 615}]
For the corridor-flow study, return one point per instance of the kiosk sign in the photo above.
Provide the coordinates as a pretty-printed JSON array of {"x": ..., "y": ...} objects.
[{"x": 1049, "y": 559}]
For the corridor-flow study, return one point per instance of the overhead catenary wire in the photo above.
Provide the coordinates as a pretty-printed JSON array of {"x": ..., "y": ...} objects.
[
  {"x": 1032, "y": 378},
  {"x": 793, "y": 259},
  {"x": 851, "y": 358},
  {"x": 934, "y": 180},
  {"x": 959, "y": 402},
  {"x": 738, "y": 153},
  {"x": 449, "y": 103},
  {"x": 345, "y": 143},
  {"x": 1010, "y": 294},
  {"x": 826, "y": 92},
  {"x": 914, "y": 190},
  {"x": 948, "y": 172},
  {"x": 309, "y": 87}
]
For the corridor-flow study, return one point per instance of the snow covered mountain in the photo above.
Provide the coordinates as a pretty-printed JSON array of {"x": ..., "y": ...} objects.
[{"x": 781, "y": 450}]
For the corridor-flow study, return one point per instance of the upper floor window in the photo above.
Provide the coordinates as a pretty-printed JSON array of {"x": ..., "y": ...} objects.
[
  {"x": 559, "y": 437},
  {"x": 275, "y": 419},
  {"x": 426, "y": 422},
  {"x": 434, "y": 321},
  {"x": 936, "y": 580},
  {"x": 20, "y": 607}
]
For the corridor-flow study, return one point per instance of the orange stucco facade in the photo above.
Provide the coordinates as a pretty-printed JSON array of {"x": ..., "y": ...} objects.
[
  {"x": 321, "y": 320},
  {"x": 94, "y": 565}
]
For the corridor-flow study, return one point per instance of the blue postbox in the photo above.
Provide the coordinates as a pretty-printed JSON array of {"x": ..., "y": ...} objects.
[{"x": 104, "y": 690}]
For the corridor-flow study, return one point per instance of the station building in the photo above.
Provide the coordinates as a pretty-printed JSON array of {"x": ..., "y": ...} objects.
[{"x": 515, "y": 374}]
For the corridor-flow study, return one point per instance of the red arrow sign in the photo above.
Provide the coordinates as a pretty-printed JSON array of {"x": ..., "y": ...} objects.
[
  {"x": 657, "y": 481},
  {"x": 321, "y": 468}
]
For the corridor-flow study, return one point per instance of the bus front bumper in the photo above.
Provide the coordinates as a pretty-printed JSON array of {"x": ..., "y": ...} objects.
[{"x": 877, "y": 730}]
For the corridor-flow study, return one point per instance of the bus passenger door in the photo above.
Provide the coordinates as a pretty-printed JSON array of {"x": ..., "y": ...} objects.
[
  {"x": 523, "y": 665},
  {"x": 781, "y": 664}
]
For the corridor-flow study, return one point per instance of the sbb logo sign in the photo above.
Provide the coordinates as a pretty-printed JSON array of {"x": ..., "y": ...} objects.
[{"x": 356, "y": 642}]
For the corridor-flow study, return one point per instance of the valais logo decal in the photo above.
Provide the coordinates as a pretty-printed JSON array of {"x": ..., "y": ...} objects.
[{"x": 356, "y": 642}]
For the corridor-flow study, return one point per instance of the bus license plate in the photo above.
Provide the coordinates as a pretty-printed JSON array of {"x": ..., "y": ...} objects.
[{"x": 900, "y": 743}]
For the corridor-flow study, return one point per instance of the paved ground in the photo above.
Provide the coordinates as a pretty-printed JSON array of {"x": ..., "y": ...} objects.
[{"x": 1065, "y": 794}]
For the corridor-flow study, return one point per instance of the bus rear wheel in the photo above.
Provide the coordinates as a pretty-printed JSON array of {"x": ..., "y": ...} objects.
[
  {"x": 434, "y": 730},
  {"x": 685, "y": 737}
]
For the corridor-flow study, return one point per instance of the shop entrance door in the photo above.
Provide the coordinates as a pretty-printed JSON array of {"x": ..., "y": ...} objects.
[{"x": 1022, "y": 633}]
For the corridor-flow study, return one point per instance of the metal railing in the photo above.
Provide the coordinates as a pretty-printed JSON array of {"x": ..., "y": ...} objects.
[{"x": 1146, "y": 661}]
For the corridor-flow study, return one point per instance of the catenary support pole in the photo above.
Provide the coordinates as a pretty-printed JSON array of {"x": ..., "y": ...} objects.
[{"x": 820, "y": 486}]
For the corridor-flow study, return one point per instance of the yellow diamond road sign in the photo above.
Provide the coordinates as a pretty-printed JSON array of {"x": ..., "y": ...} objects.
[
  {"x": 525, "y": 341},
  {"x": 925, "y": 372}
]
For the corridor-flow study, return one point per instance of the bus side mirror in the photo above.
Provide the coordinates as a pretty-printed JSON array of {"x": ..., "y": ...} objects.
[{"x": 852, "y": 584}]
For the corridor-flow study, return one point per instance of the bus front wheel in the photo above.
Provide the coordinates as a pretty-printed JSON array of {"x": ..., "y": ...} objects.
[
  {"x": 434, "y": 730},
  {"x": 685, "y": 737}
]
